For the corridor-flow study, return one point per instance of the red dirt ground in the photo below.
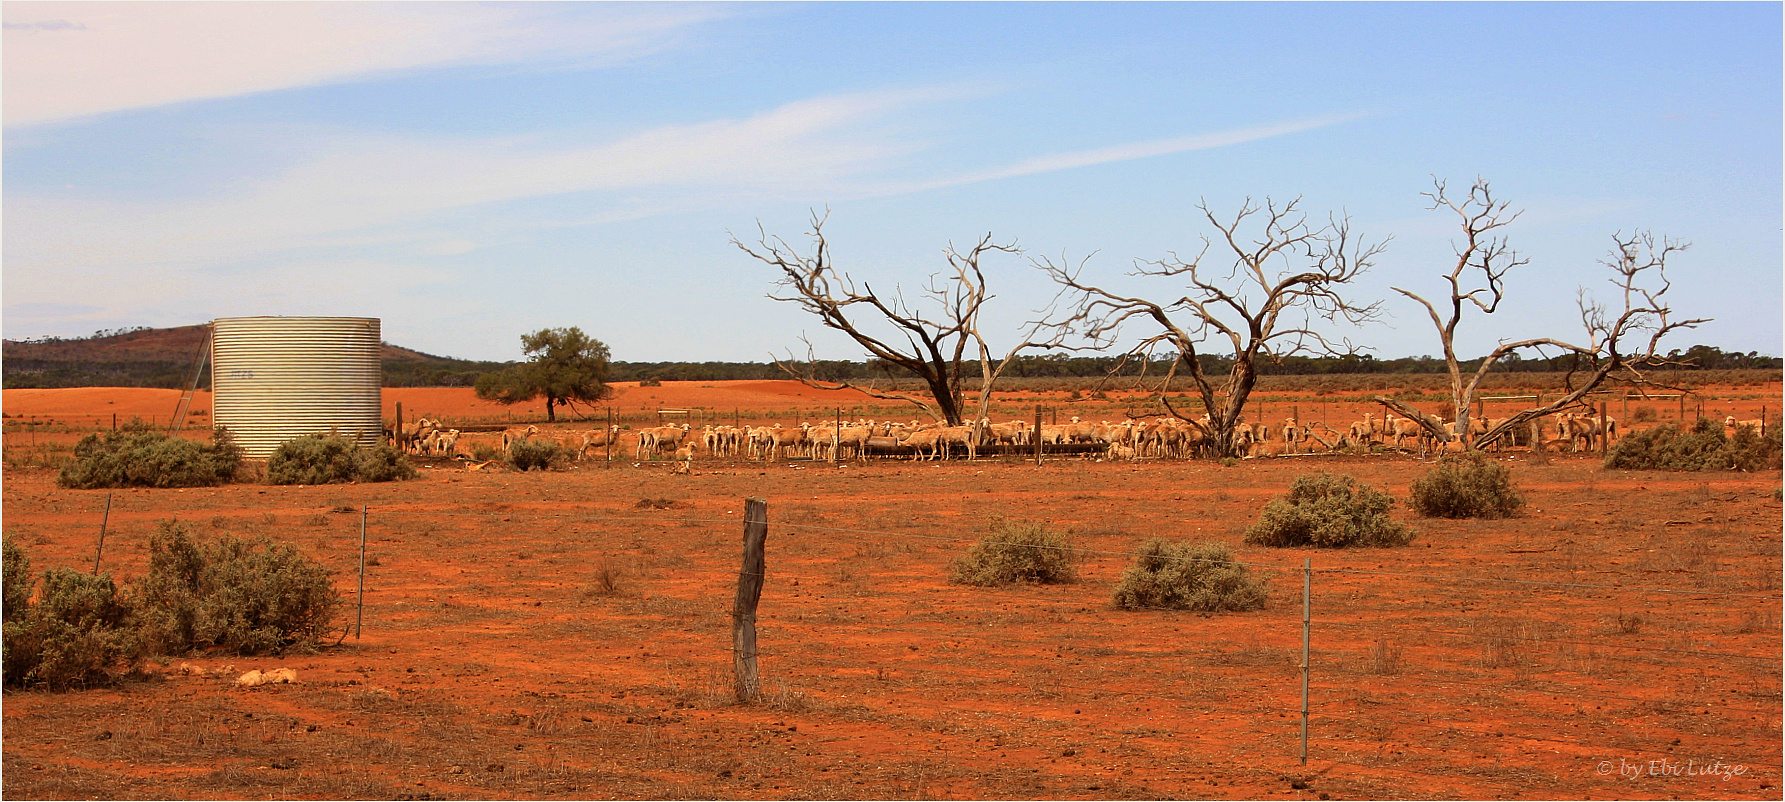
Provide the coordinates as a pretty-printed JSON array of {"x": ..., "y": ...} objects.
[{"x": 566, "y": 635}]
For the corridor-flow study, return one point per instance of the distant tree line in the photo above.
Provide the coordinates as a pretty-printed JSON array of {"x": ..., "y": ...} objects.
[{"x": 29, "y": 372}]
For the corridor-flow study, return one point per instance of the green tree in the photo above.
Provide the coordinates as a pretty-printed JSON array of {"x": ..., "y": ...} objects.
[{"x": 563, "y": 365}]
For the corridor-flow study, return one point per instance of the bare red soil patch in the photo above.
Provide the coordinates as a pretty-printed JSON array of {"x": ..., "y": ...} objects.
[{"x": 567, "y": 635}]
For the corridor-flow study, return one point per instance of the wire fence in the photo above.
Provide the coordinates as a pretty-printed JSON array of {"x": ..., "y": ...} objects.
[{"x": 1425, "y": 674}]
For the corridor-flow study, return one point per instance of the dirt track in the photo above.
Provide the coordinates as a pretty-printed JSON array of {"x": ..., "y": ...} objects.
[{"x": 1628, "y": 621}]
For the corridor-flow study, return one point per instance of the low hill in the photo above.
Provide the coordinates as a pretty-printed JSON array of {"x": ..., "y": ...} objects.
[{"x": 146, "y": 357}]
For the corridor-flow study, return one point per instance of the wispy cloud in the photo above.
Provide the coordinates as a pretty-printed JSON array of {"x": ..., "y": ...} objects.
[
  {"x": 1144, "y": 150},
  {"x": 360, "y": 190},
  {"x": 69, "y": 60}
]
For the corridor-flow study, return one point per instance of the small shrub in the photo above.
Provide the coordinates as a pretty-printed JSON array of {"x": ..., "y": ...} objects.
[
  {"x": 1329, "y": 511},
  {"x": 607, "y": 580},
  {"x": 1385, "y": 658},
  {"x": 77, "y": 634},
  {"x": 384, "y": 463},
  {"x": 1644, "y": 414},
  {"x": 248, "y": 597},
  {"x": 1028, "y": 553},
  {"x": 1188, "y": 576},
  {"x": 1704, "y": 447},
  {"x": 1471, "y": 485},
  {"x": 527, "y": 455},
  {"x": 321, "y": 459},
  {"x": 18, "y": 581},
  {"x": 484, "y": 452},
  {"x": 138, "y": 455}
]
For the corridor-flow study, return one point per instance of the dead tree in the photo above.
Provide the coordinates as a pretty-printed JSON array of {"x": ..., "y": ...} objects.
[
  {"x": 937, "y": 345},
  {"x": 1639, "y": 267},
  {"x": 1262, "y": 305}
]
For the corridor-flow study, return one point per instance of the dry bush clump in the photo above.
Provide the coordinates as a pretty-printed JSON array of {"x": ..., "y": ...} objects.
[
  {"x": 247, "y": 597},
  {"x": 1329, "y": 510},
  {"x": 321, "y": 459},
  {"x": 1471, "y": 485},
  {"x": 1016, "y": 553},
  {"x": 138, "y": 455},
  {"x": 1188, "y": 576},
  {"x": 77, "y": 632},
  {"x": 1704, "y": 447},
  {"x": 531, "y": 455}
]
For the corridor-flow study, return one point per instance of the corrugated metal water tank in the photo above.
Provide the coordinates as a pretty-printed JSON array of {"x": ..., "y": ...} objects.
[{"x": 274, "y": 379}]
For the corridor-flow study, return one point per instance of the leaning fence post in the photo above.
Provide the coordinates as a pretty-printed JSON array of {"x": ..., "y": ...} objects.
[
  {"x": 359, "y": 616},
  {"x": 1307, "y": 618},
  {"x": 743, "y": 610},
  {"x": 102, "y": 522}
]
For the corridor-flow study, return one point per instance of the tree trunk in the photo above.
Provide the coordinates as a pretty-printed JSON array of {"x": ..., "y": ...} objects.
[{"x": 946, "y": 403}]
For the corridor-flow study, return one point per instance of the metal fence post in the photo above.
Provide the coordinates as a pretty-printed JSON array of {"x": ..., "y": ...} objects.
[
  {"x": 102, "y": 522},
  {"x": 1307, "y": 618},
  {"x": 359, "y": 615}
]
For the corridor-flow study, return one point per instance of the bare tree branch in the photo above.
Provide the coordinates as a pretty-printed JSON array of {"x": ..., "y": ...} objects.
[
  {"x": 1477, "y": 280},
  {"x": 936, "y": 343},
  {"x": 1278, "y": 278}
]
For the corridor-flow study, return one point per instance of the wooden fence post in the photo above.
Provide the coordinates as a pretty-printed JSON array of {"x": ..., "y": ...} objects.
[
  {"x": 396, "y": 434},
  {"x": 743, "y": 610},
  {"x": 1036, "y": 435}
]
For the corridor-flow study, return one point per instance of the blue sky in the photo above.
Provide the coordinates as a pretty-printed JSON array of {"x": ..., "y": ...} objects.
[{"x": 471, "y": 172}]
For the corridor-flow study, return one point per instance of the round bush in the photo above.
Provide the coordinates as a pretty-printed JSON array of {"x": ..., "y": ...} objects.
[
  {"x": 1015, "y": 553},
  {"x": 1188, "y": 576},
  {"x": 527, "y": 455},
  {"x": 78, "y": 633},
  {"x": 321, "y": 459},
  {"x": 138, "y": 455},
  {"x": 248, "y": 597},
  {"x": 1328, "y": 510},
  {"x": 1471, "y": 485}
]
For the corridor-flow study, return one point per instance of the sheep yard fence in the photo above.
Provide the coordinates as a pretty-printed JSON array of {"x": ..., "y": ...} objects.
[{"x": 1380, "y": 677}]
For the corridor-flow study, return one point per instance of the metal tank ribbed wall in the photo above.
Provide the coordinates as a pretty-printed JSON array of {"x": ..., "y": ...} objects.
[{"x": 274, "y": 379}]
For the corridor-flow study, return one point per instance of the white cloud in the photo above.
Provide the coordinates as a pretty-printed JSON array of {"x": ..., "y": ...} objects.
[
  {"x": 70, "y": 60},
  {"x": 1143, "y": 150},
  {"x": 355, "y": 188}
]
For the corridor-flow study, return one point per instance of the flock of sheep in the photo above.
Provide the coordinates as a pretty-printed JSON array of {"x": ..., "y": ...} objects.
[{"x": 1148, "y": 438}]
